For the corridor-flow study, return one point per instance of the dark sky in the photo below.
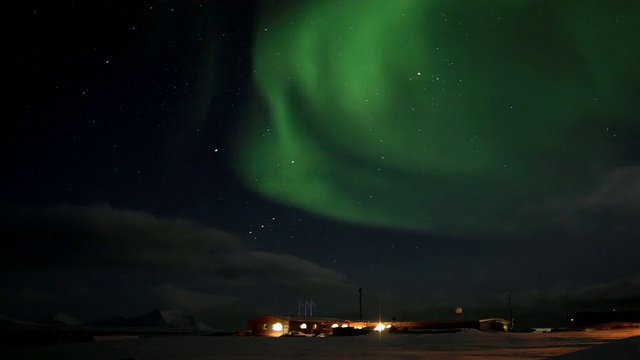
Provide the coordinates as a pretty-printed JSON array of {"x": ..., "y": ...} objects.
[{"x": 231, "y": 159}]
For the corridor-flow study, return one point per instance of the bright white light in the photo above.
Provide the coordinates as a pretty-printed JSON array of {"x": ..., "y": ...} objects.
[
  {"x": 334, "y": 326},
  {"x": 345, "y": 325},
  {"x": 303, "y": 326},
  {"x": 379, "y": 327},
  {"x": 388, "y": 326},
  {"x": 277, "y": 327}
]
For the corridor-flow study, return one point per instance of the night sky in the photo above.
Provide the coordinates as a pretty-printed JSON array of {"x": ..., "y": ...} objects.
[{"x": 235, "y": 158}]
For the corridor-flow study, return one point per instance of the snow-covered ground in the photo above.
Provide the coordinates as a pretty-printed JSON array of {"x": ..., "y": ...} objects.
[{"x": 468, "y": 344}]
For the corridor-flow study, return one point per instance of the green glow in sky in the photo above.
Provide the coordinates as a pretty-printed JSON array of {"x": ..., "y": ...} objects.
[{"x": 434, "y": 115}]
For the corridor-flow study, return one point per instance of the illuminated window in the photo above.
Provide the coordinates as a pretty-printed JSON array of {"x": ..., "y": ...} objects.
[
  {"x": 334, "y": 326},
  {"x": 315, "y": 326},
  {"x": 277, "y": 327},
  {"x": 303, "y": 326}
]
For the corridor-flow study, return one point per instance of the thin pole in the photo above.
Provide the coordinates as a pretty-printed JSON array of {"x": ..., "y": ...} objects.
[
  {"x": 510, "y": 312},
  {"x": 360, "y": 296}
]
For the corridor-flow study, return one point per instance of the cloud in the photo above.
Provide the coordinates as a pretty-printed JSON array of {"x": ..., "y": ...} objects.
[
  {"x": 289, "y": 271},
  {"x": 64, "y": 235},
  {"x": 169, "y": 296},
  {"x": 609, "y": 208},
  {"x": 84, "y": 237},
  {"x": 618, "y": 188},
  {"x": 623, "y": 292}
]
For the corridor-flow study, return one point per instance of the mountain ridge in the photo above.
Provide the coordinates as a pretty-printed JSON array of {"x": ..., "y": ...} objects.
[{"x": 158, "y": 320}]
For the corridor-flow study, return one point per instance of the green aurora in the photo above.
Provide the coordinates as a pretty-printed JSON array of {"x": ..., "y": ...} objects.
[{"x": 439, "y": 116}]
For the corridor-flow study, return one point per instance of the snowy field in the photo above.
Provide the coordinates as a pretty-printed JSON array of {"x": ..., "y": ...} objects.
[{"x": 469, "y": 344}]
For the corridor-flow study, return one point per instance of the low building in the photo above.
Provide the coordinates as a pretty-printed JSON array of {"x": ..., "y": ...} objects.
[
  {"x": 492, "y": 324},
  {"x": 279, "y": 325}
]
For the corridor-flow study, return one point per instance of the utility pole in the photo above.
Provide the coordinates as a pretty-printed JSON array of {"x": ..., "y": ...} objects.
[
  {"x": 360, "y": 299},
  {"x": 510, "y": 313}
]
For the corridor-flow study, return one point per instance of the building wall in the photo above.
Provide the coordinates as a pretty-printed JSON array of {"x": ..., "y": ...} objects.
[
  {"x": 485, "y": 325},
  {"x": 422, "y": 325},
  {"x": 495, "y": 325},
  {"x": 311, "y": 327},
  {"x": 263, "y": 326}
]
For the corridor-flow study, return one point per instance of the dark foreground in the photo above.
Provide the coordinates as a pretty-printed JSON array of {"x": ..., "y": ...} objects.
[{"x": 468, "y": 344}]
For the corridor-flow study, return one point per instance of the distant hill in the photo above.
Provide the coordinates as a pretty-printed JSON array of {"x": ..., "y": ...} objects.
[
  {"x": 10, "y": 324},
  {"x": 21, "y": 332},
  {"x": 65, "y": 319},
  {"x": 156, "y": 320}
]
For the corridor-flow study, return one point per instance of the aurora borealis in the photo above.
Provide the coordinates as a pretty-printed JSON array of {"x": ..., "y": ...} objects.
[
  {"x": 232, "y": 158},
  {"x": 434, "y": 115}
]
